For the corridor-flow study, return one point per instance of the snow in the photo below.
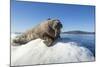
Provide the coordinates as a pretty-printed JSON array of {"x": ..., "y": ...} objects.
[{"x": 36, "y": 52}]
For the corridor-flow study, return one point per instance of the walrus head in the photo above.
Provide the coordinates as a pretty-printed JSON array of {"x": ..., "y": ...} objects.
[{"x": 56, "y": 25}]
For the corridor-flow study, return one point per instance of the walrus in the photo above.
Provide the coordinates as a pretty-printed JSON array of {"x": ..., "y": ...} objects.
[{"x": 49, "y": 30}]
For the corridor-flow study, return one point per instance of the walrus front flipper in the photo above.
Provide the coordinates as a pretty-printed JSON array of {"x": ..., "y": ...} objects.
[{"x": 49, "y": 41}]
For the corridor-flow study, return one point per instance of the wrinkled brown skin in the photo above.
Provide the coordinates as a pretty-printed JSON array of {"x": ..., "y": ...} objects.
[{"x": 48, "y": 30}]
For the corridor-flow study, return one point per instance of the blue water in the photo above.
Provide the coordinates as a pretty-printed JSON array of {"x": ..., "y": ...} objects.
[{"x": 85, "y": 40}]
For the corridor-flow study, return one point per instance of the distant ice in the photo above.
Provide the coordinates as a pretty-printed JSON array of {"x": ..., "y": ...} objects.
[{"x": 36, "y": 52}]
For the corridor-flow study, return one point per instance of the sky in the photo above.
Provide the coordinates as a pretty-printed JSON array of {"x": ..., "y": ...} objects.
[{"x": 25, "y": 15}]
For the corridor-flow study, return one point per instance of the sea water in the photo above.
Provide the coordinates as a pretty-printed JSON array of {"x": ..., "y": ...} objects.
[{"x": 85, "y": 40}]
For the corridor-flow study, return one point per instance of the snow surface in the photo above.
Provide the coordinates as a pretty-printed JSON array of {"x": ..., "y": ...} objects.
[{"x": 36, "y": 52}]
